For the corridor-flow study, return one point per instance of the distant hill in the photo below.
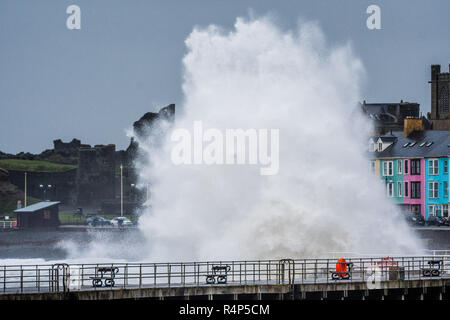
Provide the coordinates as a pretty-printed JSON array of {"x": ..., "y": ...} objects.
[{"x": 34, "y": 165}]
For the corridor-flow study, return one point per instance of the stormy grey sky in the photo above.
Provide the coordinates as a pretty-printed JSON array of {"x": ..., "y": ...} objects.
[{"x": 93, "y": 83}]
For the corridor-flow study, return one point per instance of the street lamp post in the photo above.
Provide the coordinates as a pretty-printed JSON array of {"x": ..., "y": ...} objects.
[
  {"x": 44, "y": 188},
  {"x": 132, "y": 191},
  {"x": 25, "y": 191},
  {"x": 121, "y": 190}
]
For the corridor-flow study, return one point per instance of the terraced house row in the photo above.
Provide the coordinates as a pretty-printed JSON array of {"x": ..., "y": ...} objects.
[{"x": 414, "y": 165}]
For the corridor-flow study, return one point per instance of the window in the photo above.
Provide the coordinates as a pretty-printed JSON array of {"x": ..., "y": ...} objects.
[
  {"x": 445, "y": 165},
  {"x": 415, "y": 190},
  {"x": 433, "y": 189},
  {"x": 406, "y": 166},
  {"x": 388, "y": 168},
  {"x": 390, "y": 189},
  {"x": 415, "y": 208},
  {"x": 445, "y": 189},
  {"x": 415, "y": 166},
  {"x": 399, "y": 189},
  {"x": 434, "y": 210},
  {"x": 372, "y": 166},
  {"x": 380, "y": 146},
  {"x": 445, "y": 210},
  {"x": 406, "y": 189},
  {"x": 433, "y": 167},
  {"x": 399, "y": 166}
]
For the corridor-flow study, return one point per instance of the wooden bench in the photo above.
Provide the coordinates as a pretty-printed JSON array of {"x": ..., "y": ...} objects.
[
  {"x": 434, "y": 269},
  {"x": 104, "y": 273},
  {"x": 343, "y": 275},
  {"x": 219, "y": 274}
]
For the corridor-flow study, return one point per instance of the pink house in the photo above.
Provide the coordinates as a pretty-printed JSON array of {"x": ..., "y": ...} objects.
[{"x": 414, "y": 184}]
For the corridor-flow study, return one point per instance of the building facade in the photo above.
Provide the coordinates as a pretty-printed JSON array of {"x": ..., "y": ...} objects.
[
  {"x": 39, "y": 215},
  {"x": 415, "y": 170}
]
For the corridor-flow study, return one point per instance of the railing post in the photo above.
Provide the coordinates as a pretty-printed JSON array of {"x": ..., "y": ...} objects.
[
  {"x": 21, "y": 279},
  {"x": 254, "y": 271},
  {"x": 315, "y": 271},
  {"x": 125, "y": 275},
  {"x": 304, "y": 271},
  {"x": 259, "y": 270},
  {"x": 82, "y": 275},
  {"x": 140, "y": 275},
  {"x": 57, "y": 279},
  {"x": 4, "y": 278},
  {"x": 38, "y": 278},
  {"x": 232, "y": 271},
  {"x": 245, "y": 272},
  {"x": 240, "y": 273},
  {"x": 168, "y": 273},
  {"x": 409, "y": 268},
  {"x": 198, "y": 275},
  {"x": 361, "y": 263},
  {"x": 276, "y": 271},
  {"x": 399, "y": 270},
  {"x": 154, "y": 274},
  {"x": 183, "y": 269},
  {"x": 293, "y": 273}
]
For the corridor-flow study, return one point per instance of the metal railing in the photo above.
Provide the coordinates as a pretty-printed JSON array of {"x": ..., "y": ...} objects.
[
  {"x": 6, "y": 224},
  {"x": 65, "y": 277}
]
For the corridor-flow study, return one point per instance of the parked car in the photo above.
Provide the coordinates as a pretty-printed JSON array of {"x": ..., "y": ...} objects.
[
  {"x": 97, "y": 221},
  {"x": 417, "y": 220},
  {"x": 446, "y": 221},
  {"x": 437, "y": 221},
  {"x": 414, "y": 219},
  {"x": 121, "y": 222}
]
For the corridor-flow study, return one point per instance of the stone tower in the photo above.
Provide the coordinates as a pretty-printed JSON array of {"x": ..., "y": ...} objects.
[
  {"x": 96, "y": 174},
  {"x": 440, "y": 88}
]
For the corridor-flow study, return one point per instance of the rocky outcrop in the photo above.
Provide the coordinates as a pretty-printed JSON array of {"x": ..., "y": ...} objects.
[
  {"x": 97, "y": 177},
  {"x": 7, "y": 189}
]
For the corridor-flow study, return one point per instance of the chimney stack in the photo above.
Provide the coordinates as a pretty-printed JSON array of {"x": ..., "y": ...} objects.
[{"x": 412, "y": 124}]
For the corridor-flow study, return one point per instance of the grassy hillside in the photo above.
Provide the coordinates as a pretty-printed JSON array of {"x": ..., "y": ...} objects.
[
  {"x": 7, "y": 206},
  {"x": 33, "y": 165}
]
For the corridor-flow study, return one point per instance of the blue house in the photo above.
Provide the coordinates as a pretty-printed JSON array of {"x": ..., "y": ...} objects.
[{"x": 436, "y": 186}]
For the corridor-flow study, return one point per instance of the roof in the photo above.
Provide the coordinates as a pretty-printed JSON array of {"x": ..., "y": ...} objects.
[
  {"x": 417, "y": 145},
  {"x": 37, "y": 206},
  {"x": 390, "y": 112},
  {"x": 389, "y": 138}
]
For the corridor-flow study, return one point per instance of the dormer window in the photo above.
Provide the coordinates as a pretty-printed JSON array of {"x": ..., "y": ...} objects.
[{"x": 380, "y": 146}]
